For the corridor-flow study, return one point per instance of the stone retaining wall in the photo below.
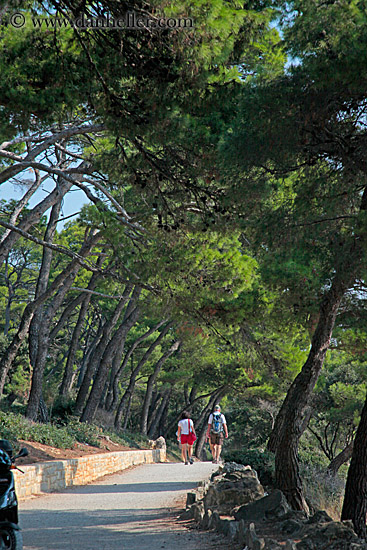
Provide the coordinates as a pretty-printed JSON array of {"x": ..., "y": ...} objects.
[{"x": 55, "y": 475}]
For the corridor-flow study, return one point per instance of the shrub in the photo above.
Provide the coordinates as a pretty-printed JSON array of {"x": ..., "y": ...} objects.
[
  {"x": 15, "y": 426},
  {"x": 323, "y": 491}
]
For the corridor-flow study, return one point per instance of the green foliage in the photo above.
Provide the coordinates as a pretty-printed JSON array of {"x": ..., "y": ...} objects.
[
  {"x": 83, "y": 432},
  {"x": 17, "y": 427}
]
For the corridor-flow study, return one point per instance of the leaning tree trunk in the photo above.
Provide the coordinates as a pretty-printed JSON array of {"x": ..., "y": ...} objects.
[
  {"x": 112, "y": 398},
  {"x": 95, "y": 359},
  {"x": 89, "y": 350},
  {"x": 130, "y": 389},
  {"x": 293, "y": 415},
  {"x": 37, "y": 377},
  {"x": 150, "y": 384},
  {"x": 355, "y": 496},
  {"x": 292, "y": 418},
  {"x": 340, "y": 459},
  {"x": 156, "y": 417},
  {"x": 67, "y": 379},
  {"x": 102, "y": 372},
  {"x": 26, "y": 319}
]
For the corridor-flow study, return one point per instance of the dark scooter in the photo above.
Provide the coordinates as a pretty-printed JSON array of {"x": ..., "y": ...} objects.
[{"x": 10, "y": 535}]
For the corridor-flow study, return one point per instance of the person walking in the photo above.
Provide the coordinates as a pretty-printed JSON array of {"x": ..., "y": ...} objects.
[
  {"x": 217, "y": 426},
  {"x": 186, "y": 435}
]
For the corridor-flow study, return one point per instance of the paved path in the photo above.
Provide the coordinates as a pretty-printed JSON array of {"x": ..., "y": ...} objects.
[{"x": 126, "y": 511}]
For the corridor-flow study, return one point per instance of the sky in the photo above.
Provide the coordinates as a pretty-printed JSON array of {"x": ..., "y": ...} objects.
[{"x": 72, "y": 203}]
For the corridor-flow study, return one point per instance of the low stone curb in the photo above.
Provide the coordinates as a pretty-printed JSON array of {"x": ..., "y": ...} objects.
[{"x": 56, "y": 475}]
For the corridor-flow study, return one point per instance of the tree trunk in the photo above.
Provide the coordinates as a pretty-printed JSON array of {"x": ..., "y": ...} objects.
[
  {"x": 340, "y": 459},
  {"x": 113, "y": 396},
  {"x": 355, "y": 497},
  {"x": 102, "y": 372},
  {"x": 43, "y": 337},
  {"x": 95, "y": 359},
  {"x": 27, "y": 316},
  {"x": 129, "y": 391},
  {"x": 88, "y": 350},
  {"x": 42, "y": 282},
  {"x": 294, "y": 413},
  {"x": 156, "y": 418},
  {"x": 68, "y": 372},
  {"x": 150, "y": 384}
]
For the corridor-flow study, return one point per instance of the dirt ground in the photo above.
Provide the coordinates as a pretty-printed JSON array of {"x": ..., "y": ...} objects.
[{"x": 43, "y": 453}]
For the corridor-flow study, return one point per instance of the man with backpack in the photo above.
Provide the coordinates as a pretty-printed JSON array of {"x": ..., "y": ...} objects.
[{"x": 217, "y": 429}]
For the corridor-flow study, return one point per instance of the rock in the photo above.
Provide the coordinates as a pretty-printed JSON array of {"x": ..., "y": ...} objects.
[
  {"x": 333, "y": 535},
  {"x": 290, "y": 545},
  {"x": 290, "y": 526},
  {"x": 225, "y": 493},
  {"x": 320, "y": 517},
  {"x": 207, "y": 519},
  {"x": 191, "y": 497},
  {"x": 198, "y": 511},
  {"x": 160, "y": 443},
  {"x": 252, "y": 540},
  {"x": 223, "y": 525},
  {"x": 233, "y": 530},
  {"x": 228, "y": 468},
  {"x": 273, "y": 506},
  {"x": 187, "y": 514}
]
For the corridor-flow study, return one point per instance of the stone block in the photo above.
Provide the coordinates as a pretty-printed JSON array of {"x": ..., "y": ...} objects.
[
  {"x": 273, "y": 506},
  {"x": 191, "y": 497}
]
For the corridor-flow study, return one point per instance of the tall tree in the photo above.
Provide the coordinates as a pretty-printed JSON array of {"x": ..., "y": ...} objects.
[{"x": 300, "y": 164}]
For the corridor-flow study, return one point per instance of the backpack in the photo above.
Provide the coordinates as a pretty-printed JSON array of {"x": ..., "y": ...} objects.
[{"x": 217, "y": 424}]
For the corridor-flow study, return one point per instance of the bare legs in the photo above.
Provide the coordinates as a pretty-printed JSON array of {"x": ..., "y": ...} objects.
[
  {"x": 216, "y": 452},
  {"x": 189, "y": 451},
  {"x": 184, "y": 452}
]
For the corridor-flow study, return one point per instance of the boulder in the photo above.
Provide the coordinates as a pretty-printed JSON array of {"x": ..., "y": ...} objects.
[
  {"x": 333, "y": 535},
  {"x": 273, "y": 506},
  {"x": 160, "y": 443},
  {"x": 233, "y": 489}
]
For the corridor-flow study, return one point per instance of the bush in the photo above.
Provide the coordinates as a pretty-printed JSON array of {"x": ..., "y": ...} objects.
[
  {"x": 83, "y": 432},
  {"x": 15, "y": 426},
  {"x": 322, "y": 491},
  {"x": 64, "y": 435},
  {"x": 261, "y": 461}
]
